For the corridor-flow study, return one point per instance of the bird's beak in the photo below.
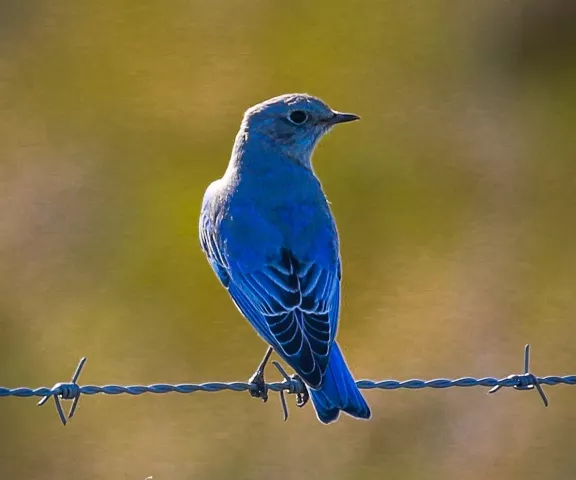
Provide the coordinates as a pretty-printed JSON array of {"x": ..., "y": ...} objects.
[{"x": 340, "y": 117}]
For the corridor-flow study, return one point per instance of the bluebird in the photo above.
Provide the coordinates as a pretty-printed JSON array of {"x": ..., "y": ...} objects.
[{"x": 270, "y": 237}]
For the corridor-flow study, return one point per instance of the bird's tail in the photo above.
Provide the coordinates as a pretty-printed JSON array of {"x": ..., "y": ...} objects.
[{"x": 338, "y": 392}]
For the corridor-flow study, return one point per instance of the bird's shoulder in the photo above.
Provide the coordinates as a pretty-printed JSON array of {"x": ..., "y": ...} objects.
[{"x": 215, "y": 197}]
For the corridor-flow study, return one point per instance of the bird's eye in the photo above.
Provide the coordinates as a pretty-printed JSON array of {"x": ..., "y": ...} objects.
[{"x": 298, "y": 117}]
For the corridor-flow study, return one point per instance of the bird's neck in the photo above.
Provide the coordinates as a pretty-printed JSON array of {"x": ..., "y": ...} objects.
[
  {"x": 256, "y": 153},
  {"x": 259, "y": 170}
]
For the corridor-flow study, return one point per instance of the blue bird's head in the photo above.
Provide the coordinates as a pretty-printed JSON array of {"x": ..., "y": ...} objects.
[{"x": 292, "y": 124}]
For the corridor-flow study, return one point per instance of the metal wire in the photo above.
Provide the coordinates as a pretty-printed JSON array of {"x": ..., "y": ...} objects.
[{"x": 72, "y": 391}]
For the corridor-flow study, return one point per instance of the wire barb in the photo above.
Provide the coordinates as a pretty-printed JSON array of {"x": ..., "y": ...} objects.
[
  {"x": 526, "y": 380},
  {"x": 294, "y": 384},
  {"x": 66, "y": 391}
]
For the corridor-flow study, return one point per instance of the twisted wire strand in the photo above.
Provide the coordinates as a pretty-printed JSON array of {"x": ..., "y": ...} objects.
[
  {"x": 72, "y": 391},
  {"x": 68, "y": 391}
]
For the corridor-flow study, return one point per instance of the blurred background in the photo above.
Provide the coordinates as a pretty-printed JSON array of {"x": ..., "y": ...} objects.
[{"x": 454, "y": 196}]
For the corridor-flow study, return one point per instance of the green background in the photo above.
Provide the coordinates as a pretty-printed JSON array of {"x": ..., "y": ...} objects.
[{"x": 454, "y": 196}]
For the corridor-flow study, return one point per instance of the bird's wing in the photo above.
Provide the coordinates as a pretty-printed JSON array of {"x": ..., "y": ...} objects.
[
  {"x": 295, "y": 307},
  {"x": 220, "y": 266}
]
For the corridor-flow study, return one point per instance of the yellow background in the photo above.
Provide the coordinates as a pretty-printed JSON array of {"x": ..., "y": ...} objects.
[{"x": 455, "y": 199}]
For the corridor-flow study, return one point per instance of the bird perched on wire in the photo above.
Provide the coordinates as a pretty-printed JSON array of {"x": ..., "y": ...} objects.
[{"x": 269, "y": 235}]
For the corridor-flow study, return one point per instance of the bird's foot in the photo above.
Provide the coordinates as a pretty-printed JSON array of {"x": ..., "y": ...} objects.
[
  {"x": 302, "y": 394},
  {"x": 258, "y": 387},
  {"x": 295, "y": 385}
]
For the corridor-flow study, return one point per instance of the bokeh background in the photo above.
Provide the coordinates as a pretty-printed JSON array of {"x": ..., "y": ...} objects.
[{"x": 455, "y": 199}]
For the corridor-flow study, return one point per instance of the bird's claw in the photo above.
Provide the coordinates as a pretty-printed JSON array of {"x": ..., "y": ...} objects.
[
  {"x": 302, "y": 395},
  {"x": 258, "y": 387}
]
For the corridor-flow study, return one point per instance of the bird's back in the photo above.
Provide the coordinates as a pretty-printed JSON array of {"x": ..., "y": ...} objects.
[{"x": 254, "y": 213}]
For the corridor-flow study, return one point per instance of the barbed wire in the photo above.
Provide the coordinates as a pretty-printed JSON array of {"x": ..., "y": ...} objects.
[{"x": 291, "y": 384}]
